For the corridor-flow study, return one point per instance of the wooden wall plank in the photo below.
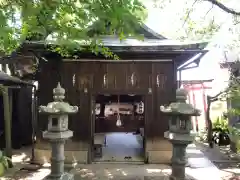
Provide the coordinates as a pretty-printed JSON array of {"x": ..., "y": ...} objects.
[
  {"x": 163, "y": 88},
  {"x": 47, "y": 80}
]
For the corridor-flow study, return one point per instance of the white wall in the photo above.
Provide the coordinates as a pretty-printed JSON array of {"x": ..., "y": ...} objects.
[{"x": 209, "y": 68}]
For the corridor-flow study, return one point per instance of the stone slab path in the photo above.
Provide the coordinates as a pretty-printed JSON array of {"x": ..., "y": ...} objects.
[
  {"x": 121, "y": 172},
  {"x": 199, "y": 167},
  {"x": 225, "y": 160}
]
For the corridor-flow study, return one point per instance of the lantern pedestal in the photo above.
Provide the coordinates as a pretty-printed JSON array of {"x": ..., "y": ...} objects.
[
  {"x": 64, "y": 176},
  {"x": 57, "y": 141},
  {"x": 179, "y": 143}
]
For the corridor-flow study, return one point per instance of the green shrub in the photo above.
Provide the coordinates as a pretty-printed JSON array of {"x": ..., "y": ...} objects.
[
  {"x": 220, "y": 123},
  {"x": 4, "y": 163}
]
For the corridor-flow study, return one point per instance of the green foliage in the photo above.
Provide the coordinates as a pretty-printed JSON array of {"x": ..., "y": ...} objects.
[
  {"x": 234, "y": 131},
  {"x": 205, "y": 32},
  {"x": 233, "y": 96},
  {"x": 220, "y": 123},
  {"x": 65, "y": 21},
  {"x": 4, "y": 163},
  {"x": 4, "y": 160}
]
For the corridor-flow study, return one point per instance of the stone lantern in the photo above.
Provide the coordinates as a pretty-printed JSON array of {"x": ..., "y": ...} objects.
[
  {"x": 58, "y": 132},
  {"x": 179, "y": 133}
]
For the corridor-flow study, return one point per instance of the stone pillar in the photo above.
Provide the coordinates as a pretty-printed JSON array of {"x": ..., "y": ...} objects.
[
  {"x": 57, "y": 159},
  {"x": 178, "y": 161}
]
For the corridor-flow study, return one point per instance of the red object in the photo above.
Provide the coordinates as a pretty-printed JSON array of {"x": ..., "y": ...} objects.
[{"x": 194, "y": 87}]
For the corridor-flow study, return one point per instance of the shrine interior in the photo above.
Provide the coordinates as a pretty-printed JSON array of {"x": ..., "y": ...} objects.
[{"x": 119, "y": 128}]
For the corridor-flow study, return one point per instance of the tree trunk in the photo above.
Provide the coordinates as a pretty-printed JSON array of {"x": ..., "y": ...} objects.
[{"x": 209, "y": 123}]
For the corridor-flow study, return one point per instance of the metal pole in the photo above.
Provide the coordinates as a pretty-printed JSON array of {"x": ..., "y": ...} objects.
[{"x": 33, "y": 122}]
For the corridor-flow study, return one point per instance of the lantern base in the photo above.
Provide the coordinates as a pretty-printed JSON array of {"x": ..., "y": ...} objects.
[
  {"x": 65, "y": 176},
  {"x": 177, "y": 178},
  {"x": 184, "y": 138}
]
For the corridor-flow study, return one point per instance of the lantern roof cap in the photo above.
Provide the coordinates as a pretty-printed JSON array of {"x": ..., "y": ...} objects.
[
  {"x": 58, "y": 106},
  {"x": 180, "y": 106}
]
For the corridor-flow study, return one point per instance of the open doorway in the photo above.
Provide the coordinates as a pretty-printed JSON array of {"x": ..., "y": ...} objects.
[{"x": 119, "y": 128}]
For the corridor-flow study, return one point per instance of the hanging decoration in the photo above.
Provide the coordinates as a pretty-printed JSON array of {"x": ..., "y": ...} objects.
[
  {"x": 131, "y": 94},
  {"x": 161, "y": 80},
  {"x": 133, "y": 79},
  {"x": 158, "y": 81},
  {"x": 105, "y": 80},
  {"x": 140, "y": 108},
  {"x": 74, "y": 80},
  {"x": 118, "y": 122},
  {"x": 84, "y": 81}
]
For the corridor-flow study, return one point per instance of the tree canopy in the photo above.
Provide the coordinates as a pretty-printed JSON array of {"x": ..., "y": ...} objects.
[{"x": 64, "y": 20}]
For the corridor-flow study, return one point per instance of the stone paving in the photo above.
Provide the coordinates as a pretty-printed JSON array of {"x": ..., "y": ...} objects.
[
  {"x": 102, "y": 172},
  {"x": 224, "y": 159},
  {"x": 198, "y": 168},
  {"x": 121, "y": 172}
]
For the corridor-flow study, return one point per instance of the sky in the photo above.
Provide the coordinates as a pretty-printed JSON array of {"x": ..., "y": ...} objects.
[{"x": 166, "y": 22}]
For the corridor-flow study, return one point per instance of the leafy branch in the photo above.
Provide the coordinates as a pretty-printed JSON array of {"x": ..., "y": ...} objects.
[
  {"x": 65, "y": 21},
  {"x": 189, "y": 12}
]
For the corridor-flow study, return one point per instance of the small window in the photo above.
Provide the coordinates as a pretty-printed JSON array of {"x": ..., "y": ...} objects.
[
  {"x": 54, "y": 121},
  {"x": 182, "y": 124},
  {"x": 174, "y": 121}
]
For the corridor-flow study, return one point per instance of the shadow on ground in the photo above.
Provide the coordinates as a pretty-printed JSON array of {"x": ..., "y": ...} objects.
[{"x": 224, "y": 159}]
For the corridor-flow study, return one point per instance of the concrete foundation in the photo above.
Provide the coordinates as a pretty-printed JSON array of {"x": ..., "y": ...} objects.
[
  {"x": 78, "y": 156},
  {"x": 158, "y": 151},
  {"x": 65, "y": 176},
  {"x": 75, "y": 152}
]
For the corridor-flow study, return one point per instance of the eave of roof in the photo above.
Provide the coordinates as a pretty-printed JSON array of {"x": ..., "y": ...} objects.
[
  {"x": 195, "y": 81},
  {"x": 195, "y": 59},
  {"x": 133, "y": 45},
  {"x": 151, "y": 32}
]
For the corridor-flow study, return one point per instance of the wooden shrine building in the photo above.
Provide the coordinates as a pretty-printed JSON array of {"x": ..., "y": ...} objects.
[{"x": 147, "y": 69}]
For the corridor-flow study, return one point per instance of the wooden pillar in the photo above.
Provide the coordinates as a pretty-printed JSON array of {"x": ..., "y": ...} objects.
[
  {"x": 7, "y": 121},
  {"x": 179, "y": 79},
  {"x": 159, "y": 150}
]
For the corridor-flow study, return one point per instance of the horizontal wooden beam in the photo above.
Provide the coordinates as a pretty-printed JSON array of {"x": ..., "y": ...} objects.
[{"x": 118, "y": 61}]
